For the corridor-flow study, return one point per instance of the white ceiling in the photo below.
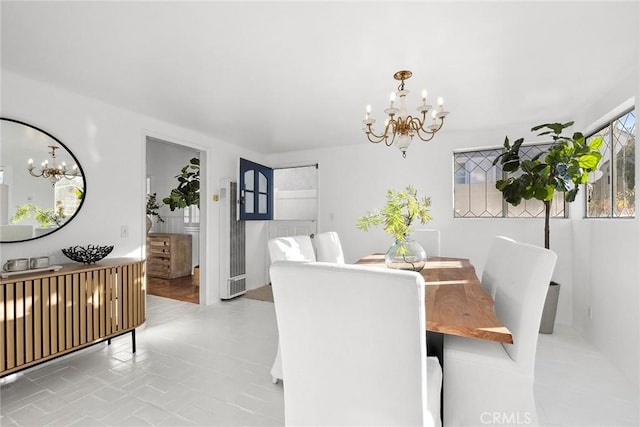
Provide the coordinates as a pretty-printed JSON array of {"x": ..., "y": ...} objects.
[{"x": 293, "y": 75}]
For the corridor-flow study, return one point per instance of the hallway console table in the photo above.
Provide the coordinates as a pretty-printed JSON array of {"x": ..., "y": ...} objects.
[
  {"x": 47, "y": 314},
  {"x": 168, "y": 255}
]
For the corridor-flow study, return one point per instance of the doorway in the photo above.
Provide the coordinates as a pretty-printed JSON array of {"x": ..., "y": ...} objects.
[
  {"x": 173, "y": 237},
  {"x": 295, "y": 202}
]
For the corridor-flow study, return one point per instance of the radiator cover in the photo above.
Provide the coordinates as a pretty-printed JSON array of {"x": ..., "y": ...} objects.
[{"x": 232, "y": 244}]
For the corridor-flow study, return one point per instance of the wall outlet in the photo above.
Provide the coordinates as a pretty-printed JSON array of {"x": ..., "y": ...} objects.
[{"x": 124, "y": 231}]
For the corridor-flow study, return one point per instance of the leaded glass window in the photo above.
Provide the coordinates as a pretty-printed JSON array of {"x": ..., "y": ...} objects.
[{"x": 611, "y": 189}]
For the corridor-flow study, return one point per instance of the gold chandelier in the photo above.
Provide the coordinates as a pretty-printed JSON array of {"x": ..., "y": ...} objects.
[
  {"x": 52, "y": 171},
  {"x": 400, "y": 127}
]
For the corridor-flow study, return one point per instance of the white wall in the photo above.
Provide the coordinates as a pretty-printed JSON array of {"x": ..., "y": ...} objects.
[
  {"x": 109, "y": 143},
  {"x": 607, "y": 256}
]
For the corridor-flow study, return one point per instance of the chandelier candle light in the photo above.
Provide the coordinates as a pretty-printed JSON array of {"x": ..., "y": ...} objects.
[
  {"x": 53, "y": 171},
  {"x": 400, "y": 127}
]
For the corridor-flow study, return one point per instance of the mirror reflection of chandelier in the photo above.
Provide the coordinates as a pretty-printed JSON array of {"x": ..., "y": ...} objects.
[
  {"x": 51, "y": 170},
  {"x": 400, "y": 127}
]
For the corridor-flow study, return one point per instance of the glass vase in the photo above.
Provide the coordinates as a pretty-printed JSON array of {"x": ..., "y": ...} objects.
[{"x": 406, "y": 255}]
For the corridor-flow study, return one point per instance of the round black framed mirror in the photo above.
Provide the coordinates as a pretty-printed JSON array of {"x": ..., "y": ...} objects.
[{"x": 42, "y": 185}]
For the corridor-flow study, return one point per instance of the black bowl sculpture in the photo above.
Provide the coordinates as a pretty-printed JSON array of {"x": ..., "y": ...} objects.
[{"x": 88, "y": 255}]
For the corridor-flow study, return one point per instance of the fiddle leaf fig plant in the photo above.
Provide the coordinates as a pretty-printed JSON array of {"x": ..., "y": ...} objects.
[
  {"x": 402, "y": 208},
  {"x": 563, "y": 168},
  {"x": 187, "y": 192}
]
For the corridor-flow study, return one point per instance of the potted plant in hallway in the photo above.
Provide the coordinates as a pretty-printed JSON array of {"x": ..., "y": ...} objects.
[
  {"x": 402, "y": 208},
  {"x": 187, "y": 196},
  {"x": 562, "y": 168},
  {"x": 187, "y": 193},
  {"x": 152, "y": 210}
]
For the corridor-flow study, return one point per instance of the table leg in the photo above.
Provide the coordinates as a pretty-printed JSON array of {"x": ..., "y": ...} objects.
[{"x": 435, "y": 347}]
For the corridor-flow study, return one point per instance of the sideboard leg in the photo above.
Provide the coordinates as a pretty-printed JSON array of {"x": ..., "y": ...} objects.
[{"x": 133, "y": 339}]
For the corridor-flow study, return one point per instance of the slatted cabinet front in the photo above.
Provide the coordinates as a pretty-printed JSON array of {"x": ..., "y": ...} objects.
[{"x": 46, "y": 315}]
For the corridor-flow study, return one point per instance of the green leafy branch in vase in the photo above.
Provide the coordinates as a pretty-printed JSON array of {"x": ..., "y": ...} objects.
[{"x": 400, "y": 211}]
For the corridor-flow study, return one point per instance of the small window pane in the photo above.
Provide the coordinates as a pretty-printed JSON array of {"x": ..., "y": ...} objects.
[
  {"x": 262, "y": 183},
  {"x": 248, "y": 202},
  {"x": 475, "y": 190},
  {"x": 262, "y": 203},
  {"x": 248, "y": 180},
  {"x": 598, "y": 188},
  {"x": 624, "y": 143},
  {"x": 610, "y": 190}
]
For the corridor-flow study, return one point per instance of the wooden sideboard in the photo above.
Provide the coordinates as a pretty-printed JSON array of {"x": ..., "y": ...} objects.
[
  {"x": 47, "y": 314},
  {"x": 168, "y": 255}
]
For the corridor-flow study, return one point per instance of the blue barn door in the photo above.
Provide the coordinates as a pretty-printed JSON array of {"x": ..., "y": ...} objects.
[{"x": 256, "y": 191}]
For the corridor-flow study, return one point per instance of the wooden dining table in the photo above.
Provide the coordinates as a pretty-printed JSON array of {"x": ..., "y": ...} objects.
[{"x": 455, "y": 301}]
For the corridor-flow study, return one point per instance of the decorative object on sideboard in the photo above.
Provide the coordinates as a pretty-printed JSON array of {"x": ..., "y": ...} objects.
[
  {"x": 39, "y": 262},
  {"x": 6, "y": 274},
  {"x": 401, "y": 209},
  {"x": 88, "y": 255},
  {"x": 17, "y": 264},
  {"x": 400, "y": 127},
  {"x": 562, "y": 168}
]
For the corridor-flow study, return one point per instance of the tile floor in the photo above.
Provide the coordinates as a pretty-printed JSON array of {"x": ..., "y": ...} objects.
[{"x": 209, "y": 366}]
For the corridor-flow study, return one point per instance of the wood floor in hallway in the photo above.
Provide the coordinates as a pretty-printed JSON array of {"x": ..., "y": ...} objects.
[{"x": 180, "y": 288}]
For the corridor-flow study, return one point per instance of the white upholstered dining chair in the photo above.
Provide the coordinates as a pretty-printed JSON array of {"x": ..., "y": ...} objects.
[
  {"x": 483, "y": 378},
  {"x": 290, "y": 248},
  {"x": 328, "y": 247},
  {"x": 354, "y": 346},
  {"x": 495, "y": 264}
]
